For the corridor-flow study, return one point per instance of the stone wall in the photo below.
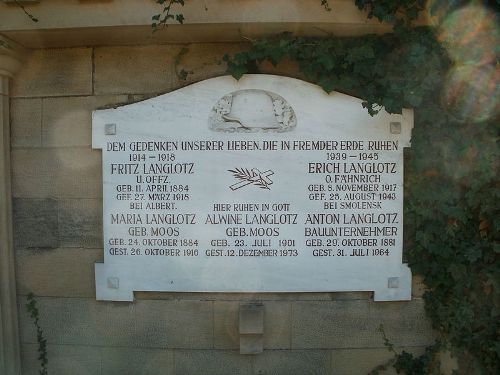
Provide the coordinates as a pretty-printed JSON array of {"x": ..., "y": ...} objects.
[{"x": 57, "y": 201}]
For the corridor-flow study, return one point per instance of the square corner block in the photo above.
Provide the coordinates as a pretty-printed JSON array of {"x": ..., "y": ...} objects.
[
  {"x": 251, "y": 344},
  {"x": 393, "y": 282},
  {"x": 395, "y": 127},
  {"x": 252, "y": 319}
]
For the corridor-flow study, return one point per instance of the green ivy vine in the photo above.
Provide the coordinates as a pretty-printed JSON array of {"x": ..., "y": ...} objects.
[
  {"x": 162, "y": 19},
  {"x": 452, "y": 192},
  {"x": 32, "y": 308},
  {"x": 404, "y": 362},
  {"x": 392, "y": 11},
  {"x": 452, "y": 218},
  {"x": 25, "y": 11}
]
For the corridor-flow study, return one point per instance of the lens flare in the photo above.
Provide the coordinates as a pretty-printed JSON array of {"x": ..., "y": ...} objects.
[
  {"x": 472, "y": 92},
  {"x": 437, "y": 10},
  {"x": 471, "y": 36}
]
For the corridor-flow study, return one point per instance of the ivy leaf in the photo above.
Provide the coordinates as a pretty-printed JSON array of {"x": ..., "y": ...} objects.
[
  {"x": 237, "y": 71},
  {"x": 457, "y": 271},
  {"x": 179, "y": 18},
  {"x": 327, "y": 61},
  {"x": 360, "y": 53},
  {"x": 327, "y": 84},
  {"x": 473, "y": 254},
  {"x": 413, "y": 99},
  {"x": 451, "y": 173}
]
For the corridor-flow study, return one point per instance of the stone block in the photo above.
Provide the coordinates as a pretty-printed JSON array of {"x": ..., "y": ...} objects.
[
  {"x": 418, "y": 287},
  {"x": 292, "y": 362},
  {"x": 55, "y": 72},
  {"x": 35, "y": 223},
  {"x": 286, "y": 67},
  {"x": 342, "y": 296},
  {"x": 354, "y": 324},
  {"x": 362, "y": 361},
  {"x": 226, "y": 329},
  {"x": 174, "y": 324},
  {"x": 79, "y": 321},
  {"x": 74, "y": 276},
  {"x": 134, "y": 69},
  {"x": 448, "y": 363},
  {"x": 252, "y": 297},
  {"x": 405, "y": 323},
  {"x": 56, "y": 172},
  {"x": 330, "y": 324},
  {"x": 203, "y": 60},
  {"x": 26, "y": 122},
  {"x": 127, "y": 361},
  {"x": 251, "y": 320},
  {"x": 251, "y": 344},
  {"x": 276, "y": 324},
  {"x": 67, "y": 121},
  {"x": 63, "y": 360},
  {"x": 212, "y": 362},
  {"x": 29, "y": 359},
  {"x": 80, "y": 223}
]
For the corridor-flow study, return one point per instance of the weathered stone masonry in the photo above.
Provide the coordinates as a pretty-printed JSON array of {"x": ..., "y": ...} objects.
[
  {"x": 56, "y": 180},
  {"x": 84, "y": 55}
]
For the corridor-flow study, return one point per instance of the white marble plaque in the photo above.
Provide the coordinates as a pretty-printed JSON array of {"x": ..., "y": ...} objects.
[{"x": 266, "y": 184}]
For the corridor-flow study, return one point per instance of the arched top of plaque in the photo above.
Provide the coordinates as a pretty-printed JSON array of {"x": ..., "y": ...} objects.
[
  {"x": 250, "y": 111},
  {"x": 256, "y": 106}
]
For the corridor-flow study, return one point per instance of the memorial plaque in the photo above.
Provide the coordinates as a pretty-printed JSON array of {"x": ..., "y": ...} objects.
[{"x": 266, "y": 184}]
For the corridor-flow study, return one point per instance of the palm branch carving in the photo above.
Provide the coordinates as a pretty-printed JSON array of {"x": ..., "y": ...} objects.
[{"x": 251, "y": 177}]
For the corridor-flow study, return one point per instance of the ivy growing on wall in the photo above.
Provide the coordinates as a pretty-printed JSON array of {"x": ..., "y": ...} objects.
[
  {"x": 25, "y": 11},
  {"x": 450, "y": 75},
  {"x": 32, "y": 308},
  {"x": 168, "y": 13}
]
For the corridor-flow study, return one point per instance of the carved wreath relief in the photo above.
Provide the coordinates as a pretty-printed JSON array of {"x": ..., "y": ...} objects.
[{"x": 252, "y": 111}]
